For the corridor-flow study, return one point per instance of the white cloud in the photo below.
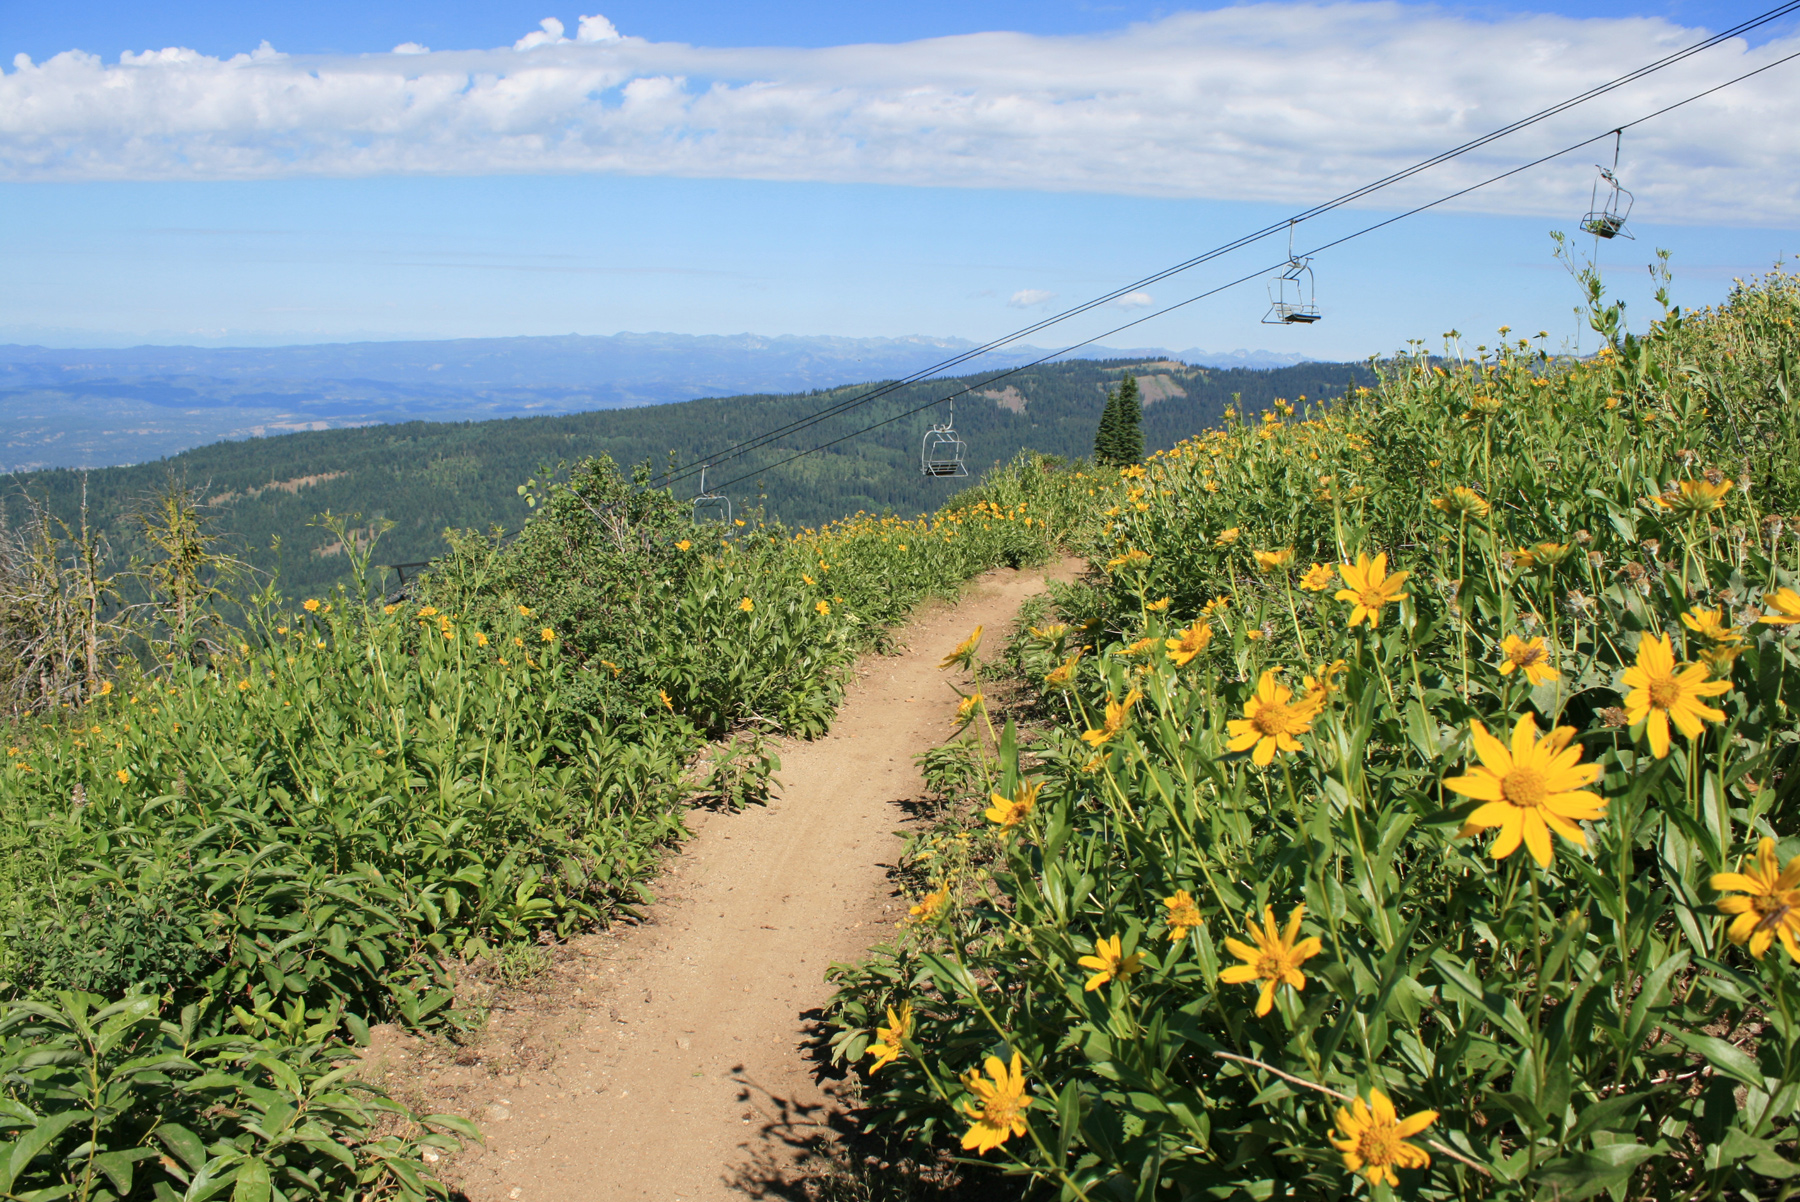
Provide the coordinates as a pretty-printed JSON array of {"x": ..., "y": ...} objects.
[
  {"x": 596, "y": 29},
  {"x": 1281, "y": 102},
  {"x": 1025, "y": 298},
  {"x": 549, "y": 33},
  {"x": 1135, "y": 300},
  {"x": 411, "y": 48}
]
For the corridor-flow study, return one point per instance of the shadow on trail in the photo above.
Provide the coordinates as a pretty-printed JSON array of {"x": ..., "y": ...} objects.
[{"x": 794, "y": 1152}]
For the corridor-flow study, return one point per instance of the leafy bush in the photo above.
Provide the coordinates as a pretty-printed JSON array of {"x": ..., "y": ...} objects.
[
  {"x": 113, "y": 1102},
  {"x": 317, "y": 820},
  {"x": 1424, "y": 823}
]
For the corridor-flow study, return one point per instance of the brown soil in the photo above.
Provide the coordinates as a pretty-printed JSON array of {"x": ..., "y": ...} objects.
[{"x": 675, "y": 1059}]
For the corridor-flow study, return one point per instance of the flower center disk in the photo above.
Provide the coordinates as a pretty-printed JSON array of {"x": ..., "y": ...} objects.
[{"x": 1524, "y": 787}]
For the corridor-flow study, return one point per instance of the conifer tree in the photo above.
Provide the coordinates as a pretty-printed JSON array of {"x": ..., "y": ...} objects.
[
  {"x": 1130, "y": 438},
  {"x": 1106, "y": 437}
]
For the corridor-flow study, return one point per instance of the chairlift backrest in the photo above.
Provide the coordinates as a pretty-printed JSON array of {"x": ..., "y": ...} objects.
[
  {"x": 943, "y": 453},
  {"x": 1291, "y": 298},
  {"x": 710, "y": 508}
]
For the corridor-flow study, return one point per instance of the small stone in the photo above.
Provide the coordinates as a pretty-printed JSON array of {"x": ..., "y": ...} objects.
[
  {"x": 498, "y": 1113},
  {"x": 516, "y": 1191}
]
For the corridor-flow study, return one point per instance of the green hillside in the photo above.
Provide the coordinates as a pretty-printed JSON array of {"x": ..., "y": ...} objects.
[{"x": 426, "y": 476}]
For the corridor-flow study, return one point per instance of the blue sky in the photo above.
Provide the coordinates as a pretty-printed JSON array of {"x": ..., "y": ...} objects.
[{"x": 724, "y": 168}]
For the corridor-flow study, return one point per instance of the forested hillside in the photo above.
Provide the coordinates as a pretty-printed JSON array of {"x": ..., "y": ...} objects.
[{"x": 429, "y": 476}]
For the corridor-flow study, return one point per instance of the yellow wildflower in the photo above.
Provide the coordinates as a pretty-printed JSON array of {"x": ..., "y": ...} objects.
[
  {"x": 547, "y": 635},
  {"x": 1050, "y": 633},
  {"x": 964, "y": 653},
  {"x": 1530, "y": 790},
  {"x": 1116, "y": 714},
  {"x": 389, "y": 610},
  {"x": 1184, "y": 915},
  {"x": 807, "y": 578},
  {"x": 310, "y": 605},
  {"x": 1131, "y": 558},
  {"x": 1461, "y": 503},
  {"x": 1694, "y": 497},
  {"x": 1661, "y": 693},
  {"x": 1711, "y": 624},
  {"x": 746, "y": 605},
  {"x": 1374, "y": 1138},
  {"x": 683, "y": 545},
  {"x": 1270, "y": 722},
  {"x": 1772, "y": 904},
  {"x": 930, "y": 905},
  {"x": 1062, "y": 676},
  {"x": 1269, "y": 561},
  {"x": 1189, "y": 643},
  {"x": 106, "y": 688},
  {"x": 1531, "y": 657},
  {"x": 965, "y": 709},
  {"x": 1370, "y": 589},
  {"x": 1000, "y": 1114},
  {"x": 1008, "y": 812},
  {"x": 430, "y": 611},
  {"x": 667, "y": 703},
  {"x": 1141, "y": 647},
  {"x": 1110, "y": 963},
  {"x": 524, "y": 611},
  {"x": 1276, "y": 958},
  {"x": 1158, "y": 606},
  {"x": 481, "y": 640},
  {"x": 822, "y": 608},
  {"x": 243, "y": 686},
  {"x": 1226, "y": 537},
  {"x": 1317, "y": 578},
  {"x": 1786, "y": 603},
  {"x": 889, "y": 1040},
  {"x": 124, "y": 776}
]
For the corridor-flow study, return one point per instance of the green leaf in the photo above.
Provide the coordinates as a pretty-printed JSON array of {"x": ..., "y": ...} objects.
[
  {"x": 118, "y": 1166},
  {"x": 252, "y": 1183},
  {"x": 1588, "y": 1173},
  {"x": 1730, "y": 1060},
  {"x": 32, "y": 1143}
]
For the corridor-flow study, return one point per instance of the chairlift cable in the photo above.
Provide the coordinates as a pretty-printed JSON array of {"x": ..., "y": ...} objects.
[
  {"x": 741, "y": 449},
  {"x": 1258, "y": 274}
]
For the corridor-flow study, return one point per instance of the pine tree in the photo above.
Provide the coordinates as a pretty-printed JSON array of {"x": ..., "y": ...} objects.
[
  {"x": 1130, "y": 439},
  {"x": 1106, "y": 437}
]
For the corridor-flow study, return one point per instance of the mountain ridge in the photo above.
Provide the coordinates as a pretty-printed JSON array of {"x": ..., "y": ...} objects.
[{"x": 99, "y": 407}]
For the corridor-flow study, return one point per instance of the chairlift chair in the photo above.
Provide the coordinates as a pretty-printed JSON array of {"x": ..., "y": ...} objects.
[
  {"x": 1291, "y": 297},
  {"x": 1607, "y": 219},
  {"x": 943, "y": 452},
  {"x": 712, "y": 507}
]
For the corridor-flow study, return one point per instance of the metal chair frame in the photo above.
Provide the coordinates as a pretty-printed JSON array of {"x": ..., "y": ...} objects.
[
  {"x": 712, "y": 507},
  {"x": 942, "y": 454},
  {"x": 1296, "y": 281},
  {"x": 1608, "y": 220}
]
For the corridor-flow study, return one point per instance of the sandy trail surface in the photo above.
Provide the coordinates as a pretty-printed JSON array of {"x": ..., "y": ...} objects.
[{"x": 682, "y": 1071}]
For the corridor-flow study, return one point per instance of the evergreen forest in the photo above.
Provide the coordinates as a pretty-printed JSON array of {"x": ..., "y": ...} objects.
[{"x": 426, "y": 477}]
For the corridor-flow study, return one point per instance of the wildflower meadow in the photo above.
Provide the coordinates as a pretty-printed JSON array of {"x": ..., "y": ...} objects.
[
  {"x": 224, "y": 862},
  {"x": 1405, "y": 808}
]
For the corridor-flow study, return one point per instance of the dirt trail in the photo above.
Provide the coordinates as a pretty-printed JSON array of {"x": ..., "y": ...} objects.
[{"x": 682, "y": 1074}]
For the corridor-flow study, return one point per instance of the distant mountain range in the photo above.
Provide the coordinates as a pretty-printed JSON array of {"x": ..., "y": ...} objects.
[{"x": 94, "y": 408}]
